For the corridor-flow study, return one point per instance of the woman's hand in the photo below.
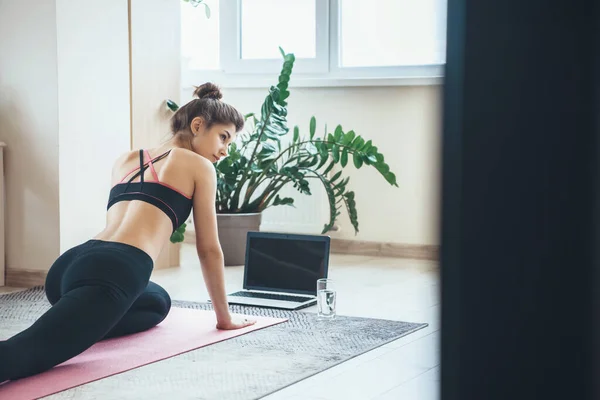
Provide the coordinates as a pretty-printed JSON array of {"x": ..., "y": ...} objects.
[{"x": 235, "y": 323}]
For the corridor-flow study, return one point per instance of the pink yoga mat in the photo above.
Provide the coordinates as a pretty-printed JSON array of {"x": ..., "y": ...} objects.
[{"x": 183, "y": 330}]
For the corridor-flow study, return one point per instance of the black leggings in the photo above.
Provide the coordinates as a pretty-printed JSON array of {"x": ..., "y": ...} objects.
[{"x": 98, "y": 290}]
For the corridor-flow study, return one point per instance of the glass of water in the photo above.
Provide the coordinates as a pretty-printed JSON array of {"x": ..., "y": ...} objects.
[{"x": 326, "y": 296}]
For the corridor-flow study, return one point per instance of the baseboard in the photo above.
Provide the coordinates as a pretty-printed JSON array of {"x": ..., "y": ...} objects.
[
  {"x": 368, "y": 248},
  {"x": 25, "y": 278},
  {"x": 385, "y": 249}
]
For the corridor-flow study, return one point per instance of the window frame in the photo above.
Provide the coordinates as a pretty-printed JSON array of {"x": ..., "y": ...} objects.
[
  {"x": 230, "y": 46},
  {"x": 324, "y": 70}
]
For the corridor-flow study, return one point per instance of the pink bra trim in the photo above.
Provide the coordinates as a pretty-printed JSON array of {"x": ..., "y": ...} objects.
[
  {"x": 151, "y": 166},
  {"x": 136, "y": 168}
]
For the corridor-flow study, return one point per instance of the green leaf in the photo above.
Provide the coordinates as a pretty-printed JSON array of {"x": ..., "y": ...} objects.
[
  {"x": 177, "y": 237},
  {"x": 371, "y": 159},
  {"x": 283, "y": 201},
  {"x": 357, "y": 160},
  {"x": 313, "y": 127},
  {"x": 172, "y": 105},
  {"x": 348, "y": 137},
  {"x": 313, "y": 161},
  {"x": 342, "y": 184},
  {"x": 323, "y": 149},
  {"x": 351, "y": 209},
  {"x": 323, "y": 154},
  {"x": 367, "y": 146},
  {"x": 358, "y": 142},
  {"x": 335, "y": 153},
  {"x": 318, "y": 144},
  {"x": 302, "y": 186},
  {"x": 344, "y": 158},
  {"x": 275, "y": 129},
  {"x": 206, "y": 10},
  {"x": 338, "y": 133},
  {"x": 329, "y": 168},
  {"x": 268, "y": 147},
  {"x": 391, "y": 178},
  {"x": 336, "y": 176},
  {"x": 331, "y": 140},
  {"x": 333, "y": 213},
  {"x": 181, "y": 228},
  {"x": 225, "y": 166},
  {"x": 296, "y": 134}
]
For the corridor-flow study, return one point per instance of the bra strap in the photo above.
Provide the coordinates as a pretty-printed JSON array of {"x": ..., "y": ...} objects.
[
  {"x": 141, "y": 166},
  {"x": 141, "y": 169},
  {"x": 152, "y": 166}
]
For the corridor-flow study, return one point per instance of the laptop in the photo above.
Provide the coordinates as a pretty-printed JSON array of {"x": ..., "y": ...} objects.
[{"x": 281, "y": 270}]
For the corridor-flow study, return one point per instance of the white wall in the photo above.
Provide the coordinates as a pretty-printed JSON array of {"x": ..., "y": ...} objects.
[
  {"x": 93, "y": 112},
  {"x": 155, "y": 63},
  {"x": 404, "y": 123},
  {"x": 64, "y": 114},
  {"x": 29, "y": 126}
]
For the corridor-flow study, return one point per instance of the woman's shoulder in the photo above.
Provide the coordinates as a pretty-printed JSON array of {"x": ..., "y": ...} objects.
[
  {"x": 191, "y": 159},
  {"x": 199, "y": 168}
]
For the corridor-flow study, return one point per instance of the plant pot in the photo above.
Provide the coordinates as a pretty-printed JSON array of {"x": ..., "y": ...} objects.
[{"x": 233, "y": 229}]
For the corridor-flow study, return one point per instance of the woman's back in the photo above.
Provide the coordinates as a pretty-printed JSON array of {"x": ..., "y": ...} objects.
[{"x": 141, "y": 212}]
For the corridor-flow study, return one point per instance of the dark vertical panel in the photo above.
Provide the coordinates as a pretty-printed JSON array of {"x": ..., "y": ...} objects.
[{"x": 519, "y": 195}]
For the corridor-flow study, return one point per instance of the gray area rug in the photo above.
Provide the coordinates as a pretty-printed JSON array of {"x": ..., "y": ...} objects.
[{"x": 246, "y": 367}]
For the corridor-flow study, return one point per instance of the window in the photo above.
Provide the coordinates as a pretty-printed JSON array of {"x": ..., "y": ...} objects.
[
  {"x": 261, "y": 34},
  {"x": 398, "y": 32},
  {"x": 200, "y": 36},
  {"x": 336, "y": 42}
]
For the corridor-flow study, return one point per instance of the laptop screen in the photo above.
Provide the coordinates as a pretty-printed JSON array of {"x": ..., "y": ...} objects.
[{"x": 286, "y": 263}]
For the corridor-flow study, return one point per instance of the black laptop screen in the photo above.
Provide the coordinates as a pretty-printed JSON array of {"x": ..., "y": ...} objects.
[{"x": 290, "y": 264}]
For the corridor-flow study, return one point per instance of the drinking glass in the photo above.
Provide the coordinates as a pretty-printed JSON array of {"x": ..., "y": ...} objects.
[{"x": 326, "y": 298}]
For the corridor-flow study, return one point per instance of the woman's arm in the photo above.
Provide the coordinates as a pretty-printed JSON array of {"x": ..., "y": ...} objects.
[{"x": 208, "y": 246}]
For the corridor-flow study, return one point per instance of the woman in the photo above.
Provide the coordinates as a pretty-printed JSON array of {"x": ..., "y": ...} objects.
[{"x": 101, "y": 289}]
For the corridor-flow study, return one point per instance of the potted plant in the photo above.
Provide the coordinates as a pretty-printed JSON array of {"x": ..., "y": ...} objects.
[{"x": 259, "y": 165}]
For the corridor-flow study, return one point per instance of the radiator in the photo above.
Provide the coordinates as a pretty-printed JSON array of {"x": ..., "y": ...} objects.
[{"x": 309, "y": 214}]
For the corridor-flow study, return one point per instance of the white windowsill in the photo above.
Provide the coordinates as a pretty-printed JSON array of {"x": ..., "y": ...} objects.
[{"x": 190, "y": 78}]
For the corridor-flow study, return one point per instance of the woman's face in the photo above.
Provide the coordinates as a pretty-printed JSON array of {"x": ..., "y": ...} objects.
[{"x": 212, "y": 143}]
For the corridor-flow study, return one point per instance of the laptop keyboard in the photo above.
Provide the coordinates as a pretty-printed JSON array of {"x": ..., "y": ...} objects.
[{"x": 272, "y": 296}]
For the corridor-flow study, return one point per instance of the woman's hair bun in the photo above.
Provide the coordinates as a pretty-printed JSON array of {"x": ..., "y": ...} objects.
[{"x": 208, "y": 91}]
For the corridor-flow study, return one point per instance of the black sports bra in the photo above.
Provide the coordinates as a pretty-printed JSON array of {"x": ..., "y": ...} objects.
[{"x": 172, "y": 202}]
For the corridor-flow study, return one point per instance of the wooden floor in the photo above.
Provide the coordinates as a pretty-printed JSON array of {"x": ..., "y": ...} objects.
[{"x": 377, "y": 287}]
